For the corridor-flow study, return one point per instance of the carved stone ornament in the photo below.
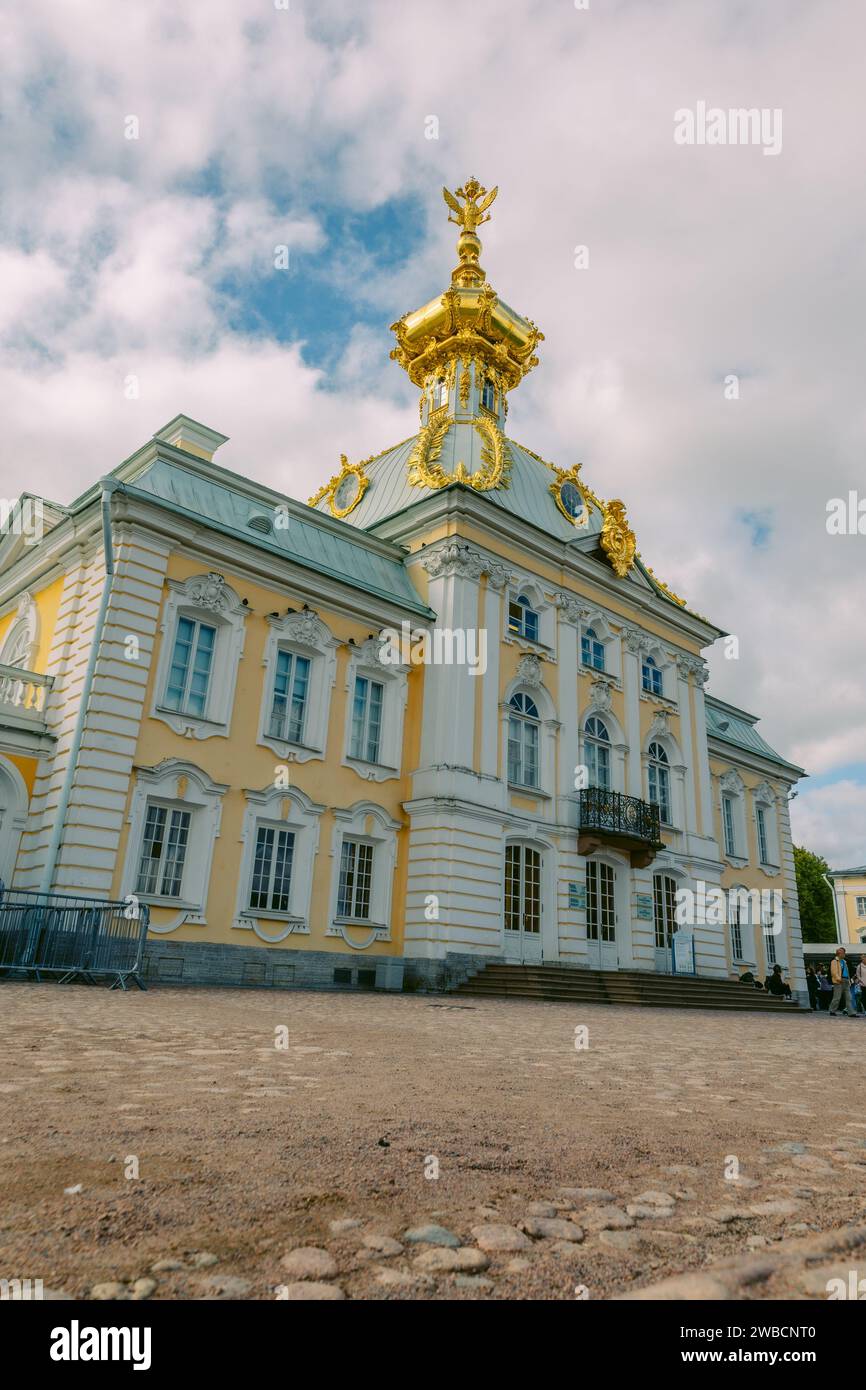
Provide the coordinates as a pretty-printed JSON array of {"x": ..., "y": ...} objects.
[
  {"x": 208, "y": 591},
  {"x": 529, "y": 670},
  {"x": 635, "y": 641},
  {"x": 732, "y": 782},
  {"x": 457, "y": 557},
  {"x": 601, "y": 693},
  {"x": 572, "y": 609},
  {"x": 660, "y": 725},
  {"x": 304, "y": 627}
]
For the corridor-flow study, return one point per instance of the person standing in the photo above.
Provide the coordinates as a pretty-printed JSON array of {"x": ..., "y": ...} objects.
[
  {"x": 812, "y": 986},
  {"x": 841, "y": 980},
  {"x": 860, "y": 977}
]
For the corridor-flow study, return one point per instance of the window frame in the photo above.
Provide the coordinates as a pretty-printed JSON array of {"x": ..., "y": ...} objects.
[
  {"x": 529, "y": 727},
  {"x": 207, "y": 600}
]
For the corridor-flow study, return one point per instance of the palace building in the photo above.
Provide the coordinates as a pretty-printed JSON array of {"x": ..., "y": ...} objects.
[{"x": 212, "y": 702}]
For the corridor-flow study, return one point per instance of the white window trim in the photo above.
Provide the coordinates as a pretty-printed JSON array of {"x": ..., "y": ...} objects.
[
  {"x": 205, "y": 598},
  {"x": 306, "y": 635},
  {"x": 13, "y": 818},
  {"x": 548, "y": 729},
  {"x": 665, "y": 664},
  {"x": 608, "y": 639},
  {"x": 365, "y": 660},
  {"x": 731, "y": 784},
  {"x": 765, "y": 798},
  {"x": 371, "y": 823},
  {"x": 179, "y": 786},
  {"x": 749, "y": 957},
  {"x": 600, "y": 708},
  {"x": 677, "y": 772},
  {"x": 284, "y": 808},
  {"x": 544, "y": 607}
]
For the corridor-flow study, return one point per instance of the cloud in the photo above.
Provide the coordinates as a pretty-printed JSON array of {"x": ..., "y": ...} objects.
[{"x": 829, "y": 821}]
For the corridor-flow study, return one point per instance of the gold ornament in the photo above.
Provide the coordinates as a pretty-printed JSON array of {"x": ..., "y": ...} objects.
[
  {"x": 424, "y": 471},
  {"x": 330, "y": 488},
  {"x": 472, "y": 214},
  {"x": 617, "y": 538},
  {"x": 570, "y": 475}
]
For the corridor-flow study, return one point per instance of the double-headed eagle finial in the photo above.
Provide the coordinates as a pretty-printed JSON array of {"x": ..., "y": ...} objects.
[{"x": 472, "y": 213}]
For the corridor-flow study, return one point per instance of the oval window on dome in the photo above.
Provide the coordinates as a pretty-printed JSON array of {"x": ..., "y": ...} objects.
[
  {"x": 572, "y": 503},
  {"x": 346, "y": 494}
]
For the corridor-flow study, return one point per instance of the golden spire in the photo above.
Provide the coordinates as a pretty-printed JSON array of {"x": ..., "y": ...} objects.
[{"x": 469, "y": 217}]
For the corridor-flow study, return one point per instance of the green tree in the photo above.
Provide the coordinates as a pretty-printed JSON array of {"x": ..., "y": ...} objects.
[{"x": 817, "y": 917}]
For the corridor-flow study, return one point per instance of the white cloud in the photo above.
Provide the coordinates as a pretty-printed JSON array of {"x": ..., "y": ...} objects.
[{"x": 829, "y": 821}]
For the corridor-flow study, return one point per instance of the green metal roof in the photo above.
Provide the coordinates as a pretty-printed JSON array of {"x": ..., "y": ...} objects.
[
  {"x": 847, "y": 873},
  {"x": 327, "y": 547},
  {"x": 735, "y": 726}
]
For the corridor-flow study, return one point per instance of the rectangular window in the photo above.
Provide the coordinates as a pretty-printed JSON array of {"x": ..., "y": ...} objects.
[
  {"x": 861, "y": 907},
  {"x": 762, "y": 835},
  {"x": 366, "y": 720},
  {"x": 272, "y": 869},
  {"x": 356, "y": 876},
  {"x": 522, "y": 752},
  {"x": 163, "y": 852},
  {"x": 592, "y": 651},
  {"x": 600, "y": 904},
  {"x": 736, "y": 933},
  {"x": 190, "y": 671},
  {"x": 728, "y": 819},
  {"x": 522, "y": 889},
  {"x": 652, "y": 679},
  {"x": 289, "y": 705},
  {"x": 770, "y": 947}
]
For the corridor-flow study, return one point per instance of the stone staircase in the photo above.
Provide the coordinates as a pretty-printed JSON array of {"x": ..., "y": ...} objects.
[{"x": 568, "y": 984}]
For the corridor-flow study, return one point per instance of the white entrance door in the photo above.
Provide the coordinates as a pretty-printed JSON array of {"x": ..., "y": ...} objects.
[
  {"x": 522, "y": 927},
  {"x": 601, "y": 916},
  {"x": 664, "y": 908}
]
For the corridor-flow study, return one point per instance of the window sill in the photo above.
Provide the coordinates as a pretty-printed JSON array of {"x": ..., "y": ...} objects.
[
  {"x": 271, "y": 915},
  {"x": 516, "y": 639},
  {"x": 153, "y": 900},
  {"x": 371, "y": 771},
  {"x": 736, "y": 861},
  {"x": 197, "y": 724},
  {"x": 359, "y": 922},
  {"x": 519, "y": 790}
]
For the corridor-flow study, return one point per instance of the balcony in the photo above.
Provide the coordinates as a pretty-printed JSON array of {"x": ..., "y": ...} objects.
[
  {"x": 23, "y": 696},
  {"x": 623, "y": 822}
]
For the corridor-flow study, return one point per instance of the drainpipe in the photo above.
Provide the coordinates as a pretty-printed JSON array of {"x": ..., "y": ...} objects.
[
  {"x": 108, "y": 485},
  {"x": 831, "y": 885}
]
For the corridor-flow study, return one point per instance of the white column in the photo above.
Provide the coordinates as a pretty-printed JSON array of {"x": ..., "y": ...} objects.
[
  {"x": 631, "y": 649},
  {"x": 703, "y": 753},
  {"x": 493, "y": 621},
  {"x": 568, "y": 620},
  {"x": 683, "y": 669}
]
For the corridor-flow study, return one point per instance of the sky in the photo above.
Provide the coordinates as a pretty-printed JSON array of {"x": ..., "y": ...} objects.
[{"x": 155, "y": 155}]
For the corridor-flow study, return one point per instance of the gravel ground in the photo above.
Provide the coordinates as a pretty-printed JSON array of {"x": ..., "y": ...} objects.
[{"x": 285, "y": 1143}]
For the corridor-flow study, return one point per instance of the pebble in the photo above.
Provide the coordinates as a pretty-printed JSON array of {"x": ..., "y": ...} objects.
[
  {"x": 309, "y": 1262},
  {"x": 728, "y": 1214},
  {"x": 74, "y": 1191},
  {"x": 348, "y": 1223},
  {"x": 383, "y": 1245},
  {"x": 395, "y": 1278},
  {"x": 487, "y": 1213},
  {"x": 294, "y": 1293},
  {"x": 432, "y": 1235},
  {"x": 639, "y": 1209},
  {"x": 607, "y": 1219},
  {"x": 204, "y": 1259},
  {"x": 473, "y": 1281},
  {"x": 655, "y": 1199},
  {"x": 588, "y": 1194},
  {"x": 225, "y": 1285},
  {"x": 143, "y": 1288},
  {"x": 102, "y": 1292},
  {"x": 551, "y": 1228},
  {"x": 684, "y": 1286},
  {"x": 449, "y": 1261},
  {"x": 518, "y": 1266},
  {"x": 165, "y": 1266},
  {"x": 499, "y": 1238},
  {"x": 756, "y": 1242},
  {"x": 541, "y": 1209},
  {"x": 567, "y": 1250},
  {"x": 812, "y": 1163}
]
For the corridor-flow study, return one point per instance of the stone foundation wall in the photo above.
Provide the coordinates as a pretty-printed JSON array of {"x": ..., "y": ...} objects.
[{"x": 203, "y": 963}]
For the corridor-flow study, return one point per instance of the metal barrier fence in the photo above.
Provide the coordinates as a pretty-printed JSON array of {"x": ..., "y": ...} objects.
[{"x": 57, "y": 934}]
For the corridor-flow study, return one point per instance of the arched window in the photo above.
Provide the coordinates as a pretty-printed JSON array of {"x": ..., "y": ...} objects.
[
  {"x": 592, "y": 650},
  {"x": 488, "y": 394},
  {"x": 440, "y": 393},
  {"x": 597, "y": 752},
  {"x": 659, "y": 778},
  {"x": 522, "y": 618},
  {"x": 17, "y": 650},
  {"x": 664, "y": 909},
  {"x": 523, "y": 726},
  {"x": 651, "y": 677}
]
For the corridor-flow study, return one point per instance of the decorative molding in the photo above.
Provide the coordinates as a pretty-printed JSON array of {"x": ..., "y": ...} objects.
[
  {"x": 571, "y": 608},
  {"x": 529, "y": 671},
  {"x": 460, "y": 558},
  {"x": 617, "y": 538}
]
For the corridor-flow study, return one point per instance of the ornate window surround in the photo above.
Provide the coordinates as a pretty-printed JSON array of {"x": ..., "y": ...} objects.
[
  {"x": 605, "y": 634},
  {"x": 305, "y": 634},
  {"x": 365, "y": 660},
  {"x": 660, "y": 732},
  {"x": 529, "y": 680},
  {"x": 208, "y": 598},
  {"x": 23, "y": 634},
  {"x": 284, "y": 808},
  {"x": 371, "y": 824},
  {"x": 731, "y": 784},
  {"x": 544, "y": 607},
  {"x": 182, "y": 786},
  {"x": 599, "y": 707},
  {"x": 764, "y": 797}
]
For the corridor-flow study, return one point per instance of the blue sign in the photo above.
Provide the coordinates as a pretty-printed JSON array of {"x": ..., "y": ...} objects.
[
  {"x": 683, "y": 952},
  {"x": 644, "y": 906},
  {"x": 576, "y": 897}
]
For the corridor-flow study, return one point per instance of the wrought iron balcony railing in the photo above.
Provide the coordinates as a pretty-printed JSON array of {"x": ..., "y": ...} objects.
[{"x": 612, "y": 813}]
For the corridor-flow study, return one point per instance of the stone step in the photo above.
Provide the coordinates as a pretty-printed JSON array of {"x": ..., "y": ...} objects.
[{"x": 630, "y": 987}]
